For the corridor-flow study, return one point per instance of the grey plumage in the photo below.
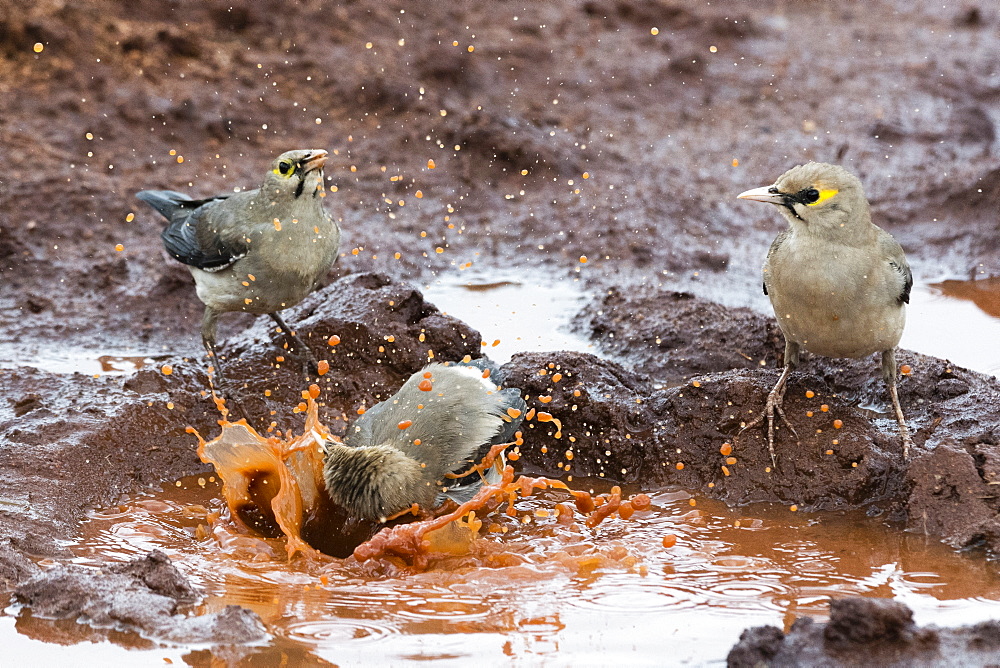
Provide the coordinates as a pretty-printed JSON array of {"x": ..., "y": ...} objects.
[
  {"x": 258, "y": 251},
  {"x": 385, "y": 464},
  {"x": 837, "y": 282}
]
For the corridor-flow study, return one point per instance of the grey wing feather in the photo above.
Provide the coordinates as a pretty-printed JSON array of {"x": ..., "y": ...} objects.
[
  {"x": 361, "y": 433},
  {"x": 485, "y": 364},
  {"x": 775, "y": 246},
  {"x": 897, "y": 261},
  {"x": 192, "y": 236},
  {"x": 466, "y": 487}
]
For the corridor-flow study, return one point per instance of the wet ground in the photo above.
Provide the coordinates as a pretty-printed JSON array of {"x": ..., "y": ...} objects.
[{"x": 557, "y": 156}]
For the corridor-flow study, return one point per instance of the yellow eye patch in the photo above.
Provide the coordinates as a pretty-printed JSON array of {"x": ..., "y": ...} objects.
[
  {"x": 284, "y": 169},
  {"x": 824, "y": 195}
]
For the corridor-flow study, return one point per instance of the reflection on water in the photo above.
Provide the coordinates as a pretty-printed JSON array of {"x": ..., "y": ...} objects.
[
  {"x": 68, "y": 360},
  {"x": 728, "y": 570},
  {"x": 984, "y": 293},
  {"x": 958, "y": 321},
  {"x": 525, "y": 313}
]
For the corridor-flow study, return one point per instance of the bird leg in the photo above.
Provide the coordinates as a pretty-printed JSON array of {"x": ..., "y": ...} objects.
[
  {"x": 774, "y": 400},
  {"x": 889, "y": 373},
  {"x": 293, "y": 344},
  {"x": 209, "y": 323},
  {"x": 209, "y": 326}
]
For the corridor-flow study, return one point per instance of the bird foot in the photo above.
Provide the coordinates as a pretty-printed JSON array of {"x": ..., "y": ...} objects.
[{"x": 774, "y": 400}]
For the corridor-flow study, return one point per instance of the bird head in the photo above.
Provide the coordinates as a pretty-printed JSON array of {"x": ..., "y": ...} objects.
[
  {"x": 817, "y": 195},
  {"x": 294, "y": 174}
]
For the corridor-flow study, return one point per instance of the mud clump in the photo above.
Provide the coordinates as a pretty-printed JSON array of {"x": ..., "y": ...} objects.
[
  {"x": 864, "y": 632},
  {"x": 145, "y": 595},
  {"x": 672, "y": 335},
  {"x": 619, "y": 425}
]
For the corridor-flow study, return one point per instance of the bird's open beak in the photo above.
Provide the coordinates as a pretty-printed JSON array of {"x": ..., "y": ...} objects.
[
  {"x": 316, "y": 160},
  {"x": 763, "y": 194}
]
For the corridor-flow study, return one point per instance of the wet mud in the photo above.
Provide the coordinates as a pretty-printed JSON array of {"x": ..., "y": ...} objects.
[
  {"x": 510, "y": 136},
  {"x": 144, "y": 595},
  {"x": 865, "y": 632}
]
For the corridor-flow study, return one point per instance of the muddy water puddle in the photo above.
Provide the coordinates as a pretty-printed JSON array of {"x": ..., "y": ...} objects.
[
  {"x": 514, "y": 312},
  {"x": 958, "y": 321},
  {"x": 566, "y": 596},
  {"x": 951, "y": 319},
  {"x": 71, "y": 360}
]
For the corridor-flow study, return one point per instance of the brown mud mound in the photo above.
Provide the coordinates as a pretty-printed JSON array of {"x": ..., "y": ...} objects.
[
  {"x": 146, "y": 595},
  {"x": 866, "y": 632},
  {"x": 672, "y": 335},
  {"x": 615, "y": 424}
]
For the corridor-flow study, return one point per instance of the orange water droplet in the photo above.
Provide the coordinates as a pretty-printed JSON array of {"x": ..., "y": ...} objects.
[
  {"x": 322, "y": 367},
  {"x": 726, "y": 449},
  {"x": 425, "y": 385},
  {"x": 906, "y": 370},
  {"x": 669, "y": 540},
  {"x": 314, "y": 391},
  {"x": 119, "y": 247},
  {"x": 546, "y": 399},
  {"x": 544, "y": 417},
  {"x": 679, "y": 466},
  {"x": 333, "y": 340},
  {"x": 583, "y": 259},
  {"x": 556, "y": 377},
  {"x": 362, "y": 410},
  {"x": 405, "y": 424},
  {"x": 514, "y": 413},
  {"x": 810, "y": 394},
  {"x": 486, "y": 373},
  {"x": 430, "y": 164},
  {"x": 837, "y": 424},
  {"x": 824, "y": 408},
  {"x": 730, "y": 460}
]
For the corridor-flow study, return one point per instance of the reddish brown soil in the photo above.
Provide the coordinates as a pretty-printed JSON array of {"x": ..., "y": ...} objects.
[{"x": 902, "y": 93}]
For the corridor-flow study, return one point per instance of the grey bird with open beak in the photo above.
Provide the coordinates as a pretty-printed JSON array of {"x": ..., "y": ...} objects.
[
  {"x": 257, "y": 251},
  {"x": 837, "y": 282},
  {"x": 410, "y": 448}
]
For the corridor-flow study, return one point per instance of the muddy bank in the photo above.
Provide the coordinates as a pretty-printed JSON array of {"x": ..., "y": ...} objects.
[
  {"x": 557, "y": 131},
  {"x": 864, "y": 632},
  {"x": 146, "y": 595},
  {"x": 620, "y": 427}
]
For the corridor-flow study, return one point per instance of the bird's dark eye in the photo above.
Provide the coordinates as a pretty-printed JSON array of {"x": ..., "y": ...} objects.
[
  {"x": 809, "y": 195},
  {"x": 284, "y": 167}
]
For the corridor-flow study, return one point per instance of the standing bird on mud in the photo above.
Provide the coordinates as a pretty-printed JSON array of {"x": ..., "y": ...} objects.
[
  {"x": 415, "y": 446},
  {"x": 256, "y": 251},
  {"x": 837, "y": 282}
]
